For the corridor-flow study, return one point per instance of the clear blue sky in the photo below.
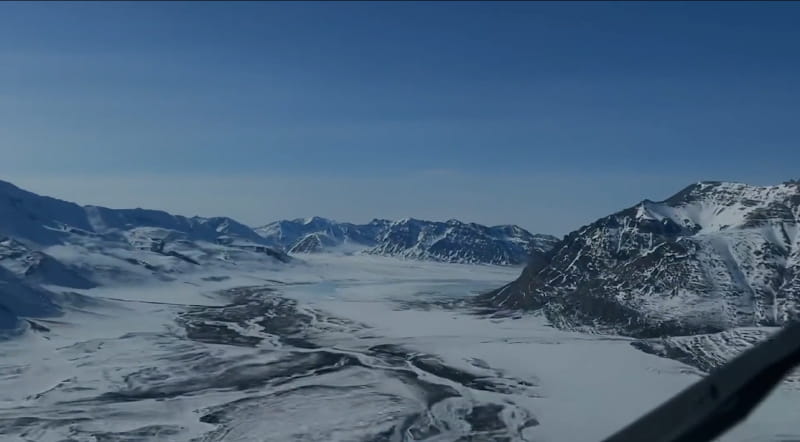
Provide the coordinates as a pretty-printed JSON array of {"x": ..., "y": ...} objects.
[{"x": 542, "y": 114}]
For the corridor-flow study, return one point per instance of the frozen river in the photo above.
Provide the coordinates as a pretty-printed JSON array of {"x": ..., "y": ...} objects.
[{"x": 336, "y": 348}]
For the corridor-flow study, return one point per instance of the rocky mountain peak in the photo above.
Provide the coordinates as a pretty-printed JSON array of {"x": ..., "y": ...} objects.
[{"x": 714, "y": 255}]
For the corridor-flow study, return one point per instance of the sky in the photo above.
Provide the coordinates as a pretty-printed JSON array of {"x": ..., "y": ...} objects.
[{"x": 546, "y": 115}]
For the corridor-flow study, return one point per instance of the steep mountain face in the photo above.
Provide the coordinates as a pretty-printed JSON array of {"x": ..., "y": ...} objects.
[
  {"x": 454, "y": 241},
  {"x": 289, "y": 233},
  {"x": 313, "y": 243},
  {"x": 48, "y": 242},
  {"x": 712, "y": 257},
  {"x": 451, "y": 241}
]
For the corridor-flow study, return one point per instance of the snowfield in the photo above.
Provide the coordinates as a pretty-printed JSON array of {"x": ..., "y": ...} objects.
[{"x": 330, "y": 348}]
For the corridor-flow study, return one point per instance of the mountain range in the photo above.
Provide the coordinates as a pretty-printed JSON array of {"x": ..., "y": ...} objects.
[
  {"x": 48, "y": 245},
  {"x": 46, "y": 242},
  {"x": 713, "y": 257},
  {"x": 716, "y": 256},
  {"x": 451, "y": 241}
]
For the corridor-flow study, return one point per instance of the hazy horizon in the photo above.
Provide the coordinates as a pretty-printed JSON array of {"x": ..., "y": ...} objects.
[{"x": 226, "y": 197}]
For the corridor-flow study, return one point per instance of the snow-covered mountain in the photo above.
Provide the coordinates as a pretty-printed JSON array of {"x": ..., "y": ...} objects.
[
  {"x": 712, "y": 257},
  {"x": 42, "y": 220},
  {"x": 454, "y": 241},
  {"x": 48, "y": 242},
  {"x": 308, "y": 232},
  {"x": 451, "y": 241}
]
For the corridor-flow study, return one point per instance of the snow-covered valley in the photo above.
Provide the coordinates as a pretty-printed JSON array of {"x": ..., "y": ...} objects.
[
  {"x": 345, "y": 348},
  {"x": 281, "y": 221}
]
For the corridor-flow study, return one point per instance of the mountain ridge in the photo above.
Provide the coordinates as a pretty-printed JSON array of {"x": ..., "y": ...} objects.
[
  {"x": 48, "y": 244},
  {"x": 411, "y": 238}
]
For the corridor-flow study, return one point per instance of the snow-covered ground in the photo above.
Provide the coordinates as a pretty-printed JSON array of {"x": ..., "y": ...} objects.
[{"x": 344, "y": 348}]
